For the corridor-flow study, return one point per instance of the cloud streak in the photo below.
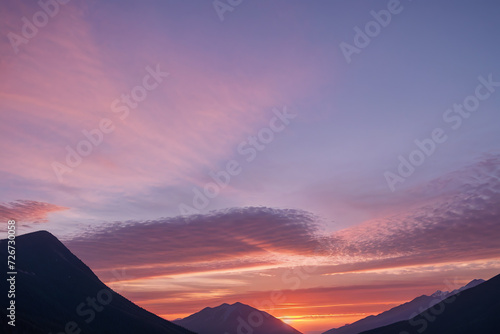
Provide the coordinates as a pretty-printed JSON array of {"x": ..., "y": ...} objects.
[
  {"x": 230, "y": 252},
  {"x": 463, "y": 224},
  {"x": 27, "y": 211},
  {"x": 242, "y": 236},
  {"x": 459, "y": 220}
]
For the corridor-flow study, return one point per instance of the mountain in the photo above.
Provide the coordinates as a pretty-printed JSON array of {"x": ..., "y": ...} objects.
[
  {"x": 57, "y": 293},
  {"x": 474, "y": 310},
  {"x": 399, "y": 313},
  {"x": 235, "y": 318}
]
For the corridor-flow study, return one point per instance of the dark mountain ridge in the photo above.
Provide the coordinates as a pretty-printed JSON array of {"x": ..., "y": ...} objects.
[
  {"x": 57, "y": 293},
  {"x": 475, "y": 310},
  {"x": 400, "y": 312}
]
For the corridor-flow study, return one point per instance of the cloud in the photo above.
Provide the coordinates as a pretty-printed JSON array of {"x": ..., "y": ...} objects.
[
  {"x": 80, "y": 63},
  {"x": 240, "y": 254},
  {"x": 337, "y": 299},
  {"x": 462, "y": 223},
  {"x": 460, "y": 220},
  {"x": 229, "y": 238},
  {"x": 27, "y": 211}
]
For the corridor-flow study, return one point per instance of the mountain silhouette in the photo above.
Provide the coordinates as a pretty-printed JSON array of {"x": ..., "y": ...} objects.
[
  {"x": 475, "y": 310},
  {"x": 233, "y": 319},
  {"x": 57, "y": 293},
  {"x": 401, "y": 312}
]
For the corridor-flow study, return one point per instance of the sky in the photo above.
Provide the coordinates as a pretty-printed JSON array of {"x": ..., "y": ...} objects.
[{"x": 320, "y": 160}]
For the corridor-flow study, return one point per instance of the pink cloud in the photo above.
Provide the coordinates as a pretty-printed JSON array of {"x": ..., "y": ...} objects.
[
  {"x": 460, "y": 221},
  {"x": 181, "y": 242},
  {"x": 462, "y": 224},
  {"x": 191, "y": 122},
  {"x": 26, "y": 211}
]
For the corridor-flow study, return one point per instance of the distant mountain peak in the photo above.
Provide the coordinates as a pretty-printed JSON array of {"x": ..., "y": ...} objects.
[
  {"x": 439, "y": 294},
  {"x": 475, "y": 310},
  {"x": 469, "y": 285},
  {"x": 475, "y": 282},
  {"x": 234, "y": 318},
  {"x": 400, "y": 312}
]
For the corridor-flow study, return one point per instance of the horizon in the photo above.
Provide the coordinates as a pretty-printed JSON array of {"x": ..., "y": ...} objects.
[{"x": 324, "y": 161}]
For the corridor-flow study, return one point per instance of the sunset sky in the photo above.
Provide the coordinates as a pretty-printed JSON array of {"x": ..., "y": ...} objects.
[{"x": 193, "y": 155}]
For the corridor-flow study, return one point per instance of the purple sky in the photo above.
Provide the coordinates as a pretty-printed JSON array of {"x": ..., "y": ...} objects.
[{"x": 267, "y": 96}]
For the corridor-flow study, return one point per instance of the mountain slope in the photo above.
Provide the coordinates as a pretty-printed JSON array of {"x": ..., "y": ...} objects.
[
  {"x": 399, "y": 313},
  {"x": 58, "y": 293},
  {"x": 236, "y": 318},
  {"x": 474, "y": 310}
]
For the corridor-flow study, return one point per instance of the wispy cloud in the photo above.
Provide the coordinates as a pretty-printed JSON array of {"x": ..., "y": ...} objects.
[
  {"x": 462, "y": 223},
  {"x": 459, "y": 219},
  {"x": 230, "y": 235},
  {"x": 26, "y": 211},
  {"x": 80, "y": 63},
  {"x": 231, "y": 252}
]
